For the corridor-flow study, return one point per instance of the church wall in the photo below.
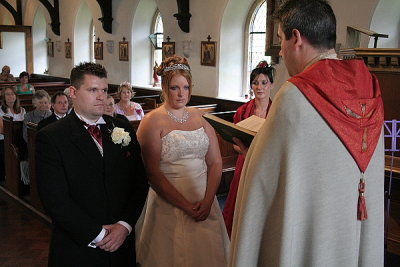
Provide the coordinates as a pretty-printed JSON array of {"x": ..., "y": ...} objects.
[{"x": 208, "y": 17}]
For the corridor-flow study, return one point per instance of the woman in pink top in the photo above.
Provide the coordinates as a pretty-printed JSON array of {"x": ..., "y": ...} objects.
[{"x": 132, "y": 110}]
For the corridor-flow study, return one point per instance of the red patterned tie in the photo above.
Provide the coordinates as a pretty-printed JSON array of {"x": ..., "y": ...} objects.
[{"x": 96, "y": 133}]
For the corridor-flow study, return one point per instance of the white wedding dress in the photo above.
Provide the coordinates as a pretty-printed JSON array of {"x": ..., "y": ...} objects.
[{"x": 165, "y": 235}]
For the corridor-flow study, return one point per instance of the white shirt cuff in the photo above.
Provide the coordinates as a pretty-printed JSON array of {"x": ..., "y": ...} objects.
[
  {"x": 98, "y": 238},
  {"x": 126, "y": 225}
]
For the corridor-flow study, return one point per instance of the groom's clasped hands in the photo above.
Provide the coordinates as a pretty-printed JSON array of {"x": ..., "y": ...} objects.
[{"x": 114, "y": 238}]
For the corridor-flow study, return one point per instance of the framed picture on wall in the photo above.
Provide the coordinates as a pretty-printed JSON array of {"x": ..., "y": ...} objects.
[
  {"x": 272, "y": 44},
  {"x": 208, "y": 53},
  {"x": 168, "y": 49},
  {"x": 50, "y": 48},
  {"x": 123, "y": 50},
  {"x": 68, "y": 49},
  {"x": 98, "y": 50}
]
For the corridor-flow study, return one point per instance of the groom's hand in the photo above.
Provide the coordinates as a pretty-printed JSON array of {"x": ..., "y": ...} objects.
[{"x": 116, "y": 234}]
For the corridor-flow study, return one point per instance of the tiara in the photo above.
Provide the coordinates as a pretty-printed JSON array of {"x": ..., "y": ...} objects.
[{"x": 177, "y": 67}]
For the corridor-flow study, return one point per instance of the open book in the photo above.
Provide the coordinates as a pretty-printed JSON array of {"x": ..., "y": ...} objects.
[{"x": 244, "y": 130}]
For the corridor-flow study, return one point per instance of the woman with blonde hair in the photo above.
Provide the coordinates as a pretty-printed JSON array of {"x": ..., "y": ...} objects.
[
  {"x": 132, "y": 110},
  {"x": 182, "y": 224}
]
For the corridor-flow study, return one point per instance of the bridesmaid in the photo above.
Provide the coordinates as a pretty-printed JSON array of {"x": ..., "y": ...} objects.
[{"x": 261, "y": 83}]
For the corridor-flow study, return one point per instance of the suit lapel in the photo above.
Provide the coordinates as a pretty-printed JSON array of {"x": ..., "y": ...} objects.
[
  {"x": 81, "y": 138},
  {"x": 111, "y": 151}
]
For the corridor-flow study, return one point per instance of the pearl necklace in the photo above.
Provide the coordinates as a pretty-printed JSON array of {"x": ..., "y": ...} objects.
[{"x": 184, "y": 118}]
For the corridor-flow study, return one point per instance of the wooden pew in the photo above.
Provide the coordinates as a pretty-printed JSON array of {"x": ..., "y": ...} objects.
[
  {"x": 207, "y": 108},
  {"x": 34, "y": 194},
  {"x": 393, "y": 199},
  {"x": 14, "y": 148}
]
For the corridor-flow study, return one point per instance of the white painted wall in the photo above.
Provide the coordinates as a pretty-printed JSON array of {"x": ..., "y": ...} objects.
[
  {"x": 81, "y": 48},
  {"x": 13, "y": 44},
  {"x": 40, "y": 64},
  {"x": 386, "y": 19}
]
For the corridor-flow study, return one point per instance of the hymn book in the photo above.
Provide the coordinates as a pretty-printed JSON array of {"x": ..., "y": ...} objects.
[{"x": 245, "y": 130}]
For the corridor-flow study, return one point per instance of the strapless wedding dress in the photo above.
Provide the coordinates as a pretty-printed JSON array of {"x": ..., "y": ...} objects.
[{"x": 165, "y": 235}]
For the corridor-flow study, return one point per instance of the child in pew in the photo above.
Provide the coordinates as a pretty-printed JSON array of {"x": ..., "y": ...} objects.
[
  {"x": 132, "y": 110},
  {"x": 9, "y": 107},
  {"x": 24, "y": 88},
  {"x": 41, "y": 102}
]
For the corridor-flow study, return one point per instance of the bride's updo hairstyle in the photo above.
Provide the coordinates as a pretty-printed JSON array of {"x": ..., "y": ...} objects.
[{"x": 171, "y": 67}]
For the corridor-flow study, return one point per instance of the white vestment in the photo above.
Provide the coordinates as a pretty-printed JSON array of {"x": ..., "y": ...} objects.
[{"x": 298, "y": 194}]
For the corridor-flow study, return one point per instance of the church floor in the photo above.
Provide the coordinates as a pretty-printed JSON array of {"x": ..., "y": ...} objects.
[{"x": 25, "y": 236}]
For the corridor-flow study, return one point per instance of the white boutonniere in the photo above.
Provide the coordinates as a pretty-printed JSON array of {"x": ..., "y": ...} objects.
[{"x": 120, "y": 136}]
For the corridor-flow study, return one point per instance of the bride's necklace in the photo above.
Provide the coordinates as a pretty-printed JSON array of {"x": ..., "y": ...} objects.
[{"x": 184, "y": 118}]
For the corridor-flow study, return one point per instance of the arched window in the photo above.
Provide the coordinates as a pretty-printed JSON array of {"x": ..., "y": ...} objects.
[
  {"x": 157, "y": 37},
  {"x": 257, "y": 35}
]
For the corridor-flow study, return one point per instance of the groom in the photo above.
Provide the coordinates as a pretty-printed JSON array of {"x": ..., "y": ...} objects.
[{"x": 91, "y": 178}]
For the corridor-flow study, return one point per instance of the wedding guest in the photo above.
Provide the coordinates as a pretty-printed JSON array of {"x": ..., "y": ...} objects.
[
  {"x": 91, "y": 178},
  {"x": 182, "y": 224},
  {"x": 312, "y": 186},
  {"x": 41, "y": 102},
  {"x": 110, "y": 109},
  {"x": 261, "y": 83},
  {"x": 5, "y": 75},
  {"x": 59, "y": 104},
  {"x": 9, "y": 107},
  {"x": 67, "y": 93},
  {"x": 132, "y": 110},
  {"x": 24, "y": 88}
]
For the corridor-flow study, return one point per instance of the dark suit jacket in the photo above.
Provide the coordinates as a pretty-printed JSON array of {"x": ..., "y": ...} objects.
[
  {"x": 81, "y": 190},
  {"x": 52, "y": 118}
]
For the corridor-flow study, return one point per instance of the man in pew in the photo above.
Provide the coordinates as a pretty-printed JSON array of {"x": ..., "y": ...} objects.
[
  {"x": 92, "y": 183},
  {"x": 312, "y": 186},
  {"x": 59, "y": 104}
]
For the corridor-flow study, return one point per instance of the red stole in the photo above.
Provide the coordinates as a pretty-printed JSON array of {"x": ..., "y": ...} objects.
[{"x": 348, "y": 97}]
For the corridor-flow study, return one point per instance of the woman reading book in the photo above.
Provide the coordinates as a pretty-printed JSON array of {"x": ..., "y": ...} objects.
[
  {"x": 261, "y": 83},
  {"x": 181, "y": 224}
]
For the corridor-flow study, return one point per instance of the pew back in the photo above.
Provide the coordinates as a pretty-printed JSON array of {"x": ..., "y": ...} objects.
[
  {"x": 14, "y": 148},
  {"x": 34, "y": 194}
]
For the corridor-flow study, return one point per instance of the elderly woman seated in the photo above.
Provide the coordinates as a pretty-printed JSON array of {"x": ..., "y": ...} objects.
[
  {"x": 41, "y": 102},
  {"x": 5, "y": 75}
]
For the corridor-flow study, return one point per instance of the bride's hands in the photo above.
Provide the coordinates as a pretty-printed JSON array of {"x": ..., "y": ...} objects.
[{"x": 202, "y": 210}]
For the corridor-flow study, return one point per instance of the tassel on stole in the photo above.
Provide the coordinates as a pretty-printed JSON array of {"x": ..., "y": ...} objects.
[{"x": 362, "y": 214}]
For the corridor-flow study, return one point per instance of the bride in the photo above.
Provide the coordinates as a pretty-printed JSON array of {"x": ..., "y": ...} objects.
[{"x": 182, "y": 224}]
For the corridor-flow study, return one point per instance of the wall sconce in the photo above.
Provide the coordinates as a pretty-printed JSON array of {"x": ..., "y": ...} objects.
[
  {"x": 187, "y": 48},
  {"x": 110, "y": 46}
]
